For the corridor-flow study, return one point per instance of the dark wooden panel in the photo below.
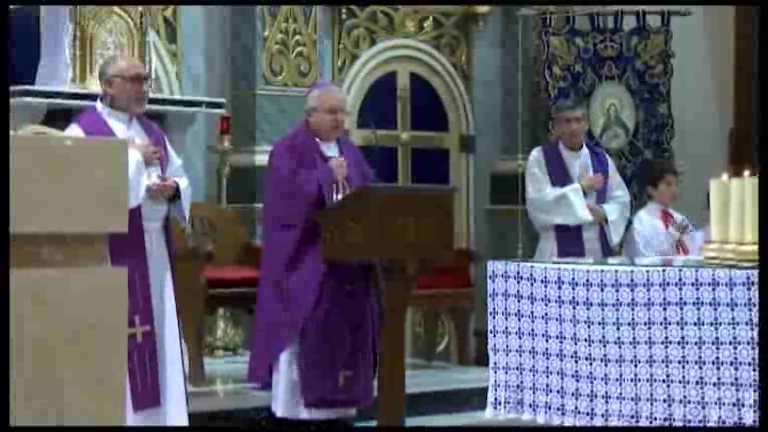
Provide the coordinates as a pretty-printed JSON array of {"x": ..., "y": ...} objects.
[
  {"x": 390, "y": 222},
  {"x": 743, "y": 136},
  {"x": 507, "y": 189},
  {"x": 246, "y": 185}
]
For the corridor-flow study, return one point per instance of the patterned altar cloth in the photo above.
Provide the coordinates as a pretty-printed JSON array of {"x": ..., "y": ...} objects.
[{"x": 584, "y": 345}]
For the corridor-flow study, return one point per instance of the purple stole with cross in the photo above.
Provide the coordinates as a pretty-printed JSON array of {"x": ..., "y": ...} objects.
[
  {"x": 127, "y": 250},
  {"x": 570, "y": 239}
]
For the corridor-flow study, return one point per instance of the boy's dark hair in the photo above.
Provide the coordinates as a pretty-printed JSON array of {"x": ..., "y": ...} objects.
[{"x": 656, "y": 170}]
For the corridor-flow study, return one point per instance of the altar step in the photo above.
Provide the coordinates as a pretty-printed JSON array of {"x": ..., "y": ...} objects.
[
  {"x": 471, "y": 418},
  {"x": 433, "y": 390}
]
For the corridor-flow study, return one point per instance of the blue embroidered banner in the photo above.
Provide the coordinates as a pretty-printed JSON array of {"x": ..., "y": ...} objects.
[{"x": 625, "y": 75}]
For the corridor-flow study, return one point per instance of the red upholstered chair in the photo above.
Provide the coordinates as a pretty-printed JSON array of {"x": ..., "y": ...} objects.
[
  {"x": 446, "y": 288},
  {"x": 221, "y": 272}
]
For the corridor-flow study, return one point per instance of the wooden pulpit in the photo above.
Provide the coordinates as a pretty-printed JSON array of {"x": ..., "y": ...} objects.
[
  {"x": 69, "y": 309},
  {"x": 397, "y": 228}
]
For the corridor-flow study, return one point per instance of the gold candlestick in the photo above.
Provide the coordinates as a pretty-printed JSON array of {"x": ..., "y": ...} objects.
[{"x": 731, "y": 253}]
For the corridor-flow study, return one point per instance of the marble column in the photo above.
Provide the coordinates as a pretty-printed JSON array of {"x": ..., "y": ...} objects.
[
  {"x": 325, "y": 40},
  {"x": 244, "y": 181},
  {"x": 487, "y": 73},
  {"x": 502, "y": 93},
  {"x": 204, "y": 69},
  {"x": 243, "y": 58}
]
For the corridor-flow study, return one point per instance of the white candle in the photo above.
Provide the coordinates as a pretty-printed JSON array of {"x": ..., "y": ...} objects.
[
  {"x": 736, "y": 210},
  {"x": 751, "y": 204},
  {"x": 718, "y": 209}
]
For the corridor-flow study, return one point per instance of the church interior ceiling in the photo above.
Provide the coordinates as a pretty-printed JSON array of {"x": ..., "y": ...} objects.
[
  {"x": 358, "y": 28},
  {"x": 289, "y": 56},
  {"x": 146, "y": 32}
]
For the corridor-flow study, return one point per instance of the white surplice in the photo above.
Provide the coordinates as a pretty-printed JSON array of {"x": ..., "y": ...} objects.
[
  {"x": 173, "y": 410},
  {"x": 648, "y": 237},
  {"x": 287, "y": 401},
  {"x": 549, "y": 206}
]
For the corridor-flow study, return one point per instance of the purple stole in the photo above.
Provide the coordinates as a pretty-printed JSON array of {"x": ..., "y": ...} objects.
[
  {"x": 570, "y": 240},
  {"x": 127, "y": 250}
]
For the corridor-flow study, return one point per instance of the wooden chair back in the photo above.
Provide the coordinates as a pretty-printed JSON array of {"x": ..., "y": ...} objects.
[
  {"x": 184, "y": 244},
  {"x": 218, "y": 231}
]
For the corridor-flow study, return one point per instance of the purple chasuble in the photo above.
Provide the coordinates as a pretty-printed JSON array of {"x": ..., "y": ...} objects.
[
  {"x": 329, "y": 309},
  {"x": 570, "y": 239},
  {"x": 128, "y": 250}
]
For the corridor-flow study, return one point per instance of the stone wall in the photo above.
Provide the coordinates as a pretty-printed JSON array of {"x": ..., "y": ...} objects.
[
  {"x": 702, "y": 101},
  {"x": 204, "y": 70}
]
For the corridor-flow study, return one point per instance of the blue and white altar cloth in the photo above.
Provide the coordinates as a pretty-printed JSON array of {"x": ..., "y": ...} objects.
[{"x": 596, "y": 345}]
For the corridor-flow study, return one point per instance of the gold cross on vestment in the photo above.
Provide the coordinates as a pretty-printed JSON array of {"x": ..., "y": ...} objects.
[
  {"x": 139, "y": 329},
  {"x": 343, "y": 375}
]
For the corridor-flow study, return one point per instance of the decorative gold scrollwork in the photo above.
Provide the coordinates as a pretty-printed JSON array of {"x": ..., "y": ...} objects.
[
  {"x": 289, "y": 57},
  {"x": 653, "y": 50},
  {"x": 359, "y": 28},
  {"x": 102, "y": 31}
]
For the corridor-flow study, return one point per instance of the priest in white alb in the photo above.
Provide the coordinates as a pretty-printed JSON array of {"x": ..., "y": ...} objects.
[
  {"x": 158, "y": 188},
  {"x": 575, "y": 197}
]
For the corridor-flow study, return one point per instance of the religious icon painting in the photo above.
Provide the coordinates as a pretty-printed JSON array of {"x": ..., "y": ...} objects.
[{"x": 612, "y": 115}]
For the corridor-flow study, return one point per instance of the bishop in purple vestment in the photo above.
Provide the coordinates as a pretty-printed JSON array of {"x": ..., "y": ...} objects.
[
  {"x": 314, "y": 335},
  {"x": 158, "y": 188},
  {"x": 575, "y": 198}
]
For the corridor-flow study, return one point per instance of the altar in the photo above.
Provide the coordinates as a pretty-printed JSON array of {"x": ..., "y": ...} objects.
[{"x": 618, "y": 344}]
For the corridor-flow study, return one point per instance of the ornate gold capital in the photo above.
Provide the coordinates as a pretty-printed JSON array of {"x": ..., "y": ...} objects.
[
  {"x": 102, "y": 31},
  {"x": 289, "y": 55},
  {"x": 357, "y": 29},
  {"x": 479, "y": 12}
]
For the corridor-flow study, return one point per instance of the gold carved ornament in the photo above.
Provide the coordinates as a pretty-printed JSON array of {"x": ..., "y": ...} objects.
[
  {"x": 357, "y": 29},
  {"x": 164, "y": 21},
  {"x": 289, "y": 57},
  {"x": 103, "y": 31}
]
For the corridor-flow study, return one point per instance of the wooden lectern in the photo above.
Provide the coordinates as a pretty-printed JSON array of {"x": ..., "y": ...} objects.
[
  {"x": 69, "y": 309},
  {"x": 396, "y": 227}
]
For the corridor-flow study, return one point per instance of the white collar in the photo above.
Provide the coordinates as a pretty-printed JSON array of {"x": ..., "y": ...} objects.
[
  {"x": 654, "y": 206},
  {"x": 113, "y": 114},
  {"x": 566, "y": 149}
]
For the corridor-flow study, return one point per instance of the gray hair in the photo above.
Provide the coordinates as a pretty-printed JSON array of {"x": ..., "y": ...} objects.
[
  {"x": 314, "y": 95},
  {"x": 106, "y": 67},
  {"x": 568, "y": 105}
]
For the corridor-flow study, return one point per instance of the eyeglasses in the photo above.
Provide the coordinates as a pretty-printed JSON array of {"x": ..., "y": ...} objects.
[
  {"x": 333, "y": 112},
  {"x": 135, "y": 79}
]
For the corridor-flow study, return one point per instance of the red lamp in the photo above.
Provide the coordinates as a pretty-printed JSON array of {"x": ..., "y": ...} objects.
[{"x": 224, "y": 130}]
